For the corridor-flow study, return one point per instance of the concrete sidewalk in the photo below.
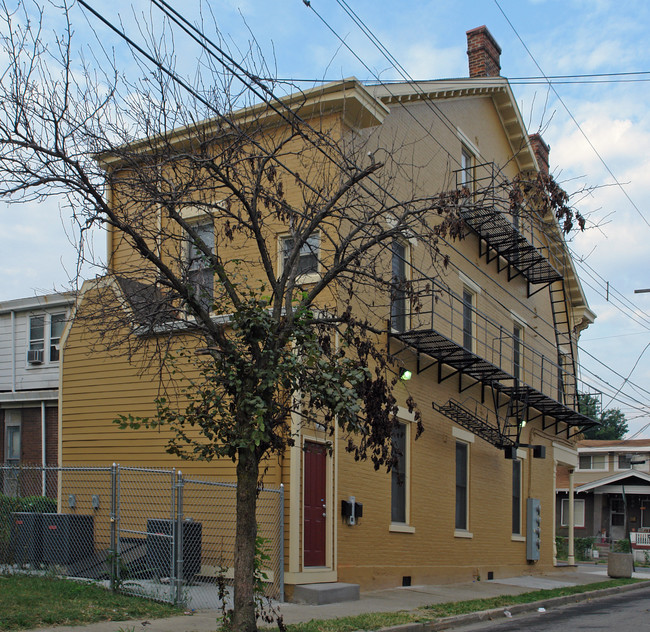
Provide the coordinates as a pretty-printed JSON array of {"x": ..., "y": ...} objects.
[{"x": 389, "y": 600}]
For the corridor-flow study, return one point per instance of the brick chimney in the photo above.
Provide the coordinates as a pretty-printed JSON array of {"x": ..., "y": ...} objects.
[
  {"x": 483, "y": 52},
  {"x": 541, "y": 151}
]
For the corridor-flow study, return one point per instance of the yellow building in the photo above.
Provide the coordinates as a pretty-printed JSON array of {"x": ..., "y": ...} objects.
[{"x": 490, "y": 351}]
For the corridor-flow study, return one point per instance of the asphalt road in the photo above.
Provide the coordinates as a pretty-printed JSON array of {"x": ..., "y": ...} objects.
[{"x": 627, "y": 612}]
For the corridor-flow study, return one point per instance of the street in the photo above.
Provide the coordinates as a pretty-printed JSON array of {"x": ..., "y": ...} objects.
[{"x": 627, "y": 612}]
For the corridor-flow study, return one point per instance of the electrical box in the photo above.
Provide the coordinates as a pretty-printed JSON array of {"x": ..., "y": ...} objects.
[
  {"x": 533, "y": 529},
  {"x": 351, "y": 510}
]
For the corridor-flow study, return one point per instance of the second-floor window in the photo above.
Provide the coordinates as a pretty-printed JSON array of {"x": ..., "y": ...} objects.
[
  {"x": 57, "y": 323},
  {"x": 469, "y": 299},
  {"x": 398, "y": 304},
  {"x": 592, "y": 462},
  {"x": 517, "y": 357},
  {"x": 200, "y": 275},
  {"x": 624, "y": 462},
  {"x": 307, "y": 258},
  {"x": 36, "y": 339}
]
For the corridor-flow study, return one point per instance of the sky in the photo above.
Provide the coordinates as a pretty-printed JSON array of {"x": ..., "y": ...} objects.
[{"x": 597, "y": 125}]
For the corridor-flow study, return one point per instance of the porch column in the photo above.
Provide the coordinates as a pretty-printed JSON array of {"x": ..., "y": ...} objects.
[{"x": 571, "y": 558}]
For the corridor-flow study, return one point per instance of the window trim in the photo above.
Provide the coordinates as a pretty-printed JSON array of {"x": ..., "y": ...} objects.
[
  {"x": 308, "y": 277},
  {"x": 199, "y": 220},
  {"x": 520, "y": 463},
  {"x": 469, "y": 308},
  {"x": 518, "y": 355},
  {"x": 617, "y": 458},
  {"x": 407, "y": 277},
  {"x": 12, "y": 419},
  {"x": 605, "y": 468},
  {"x": 59, "y": 337},
  {"x": 462, "y": 531},
  {"x": 406, "y": 419},
  {"x": 564, "y": 513}
]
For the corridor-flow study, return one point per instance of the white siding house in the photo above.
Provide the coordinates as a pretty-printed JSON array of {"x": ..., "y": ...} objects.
[{"x": 30, "y": 335}]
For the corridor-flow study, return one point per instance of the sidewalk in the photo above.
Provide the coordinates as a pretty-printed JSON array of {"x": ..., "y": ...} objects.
[{"x": 390, "y": 600}]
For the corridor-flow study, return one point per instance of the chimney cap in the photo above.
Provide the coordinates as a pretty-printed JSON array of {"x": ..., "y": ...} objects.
[{"x": 484, "y": 29}]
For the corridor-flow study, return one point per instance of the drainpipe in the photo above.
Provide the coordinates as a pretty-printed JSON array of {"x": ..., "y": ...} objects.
[
  {"x": 43, "y": 450},
  {"x": 571, "y": 557},
  {"x": 13, "y": 351}
]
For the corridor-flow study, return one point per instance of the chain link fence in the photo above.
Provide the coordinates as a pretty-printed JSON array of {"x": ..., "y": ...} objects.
[{"x": 148, "y": 532}]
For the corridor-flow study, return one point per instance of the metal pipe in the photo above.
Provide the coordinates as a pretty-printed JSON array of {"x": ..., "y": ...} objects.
[
  {"x": 571, "y": 552},
  {"x": 43, "y": 452},
  {"x": 13, "y": 351}
]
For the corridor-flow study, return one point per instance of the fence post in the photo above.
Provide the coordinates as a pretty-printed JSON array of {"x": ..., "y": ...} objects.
[
  {"x": 114, "y": 566},
  {"x": 178, "y": 539},
  {"x": 281, "y": 554}
]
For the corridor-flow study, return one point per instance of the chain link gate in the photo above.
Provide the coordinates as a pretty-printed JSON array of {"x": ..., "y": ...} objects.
[{"x": 143, "y": 531}]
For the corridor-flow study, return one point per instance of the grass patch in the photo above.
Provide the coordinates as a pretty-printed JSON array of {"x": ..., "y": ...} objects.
[
  {"x": 433, "y": 612},
  {"x": 28, "y": 601}
]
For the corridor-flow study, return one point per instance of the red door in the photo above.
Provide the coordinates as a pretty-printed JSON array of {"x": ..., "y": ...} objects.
[{"x": 314, "y": 504}]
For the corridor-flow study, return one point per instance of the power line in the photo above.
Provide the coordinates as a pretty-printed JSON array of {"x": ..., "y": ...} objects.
[{"x": 584, "y": 135}]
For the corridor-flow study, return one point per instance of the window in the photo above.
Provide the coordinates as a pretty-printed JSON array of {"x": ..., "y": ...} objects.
[
  {"x": 516, "y": 497},
  {"x": 398, "y": 305},
  {"x": 617, "y": 512},
  {"x": 517, "y": 358},
  {"x": 466, "y": 168},
  {"x": 578, "y": 512},
  {"x": 57, "y": 323},
  {"x": 592, "y": 462},
  {"x": 199, "y": 275},
  {"x": 36, "y": 339},
  {"x": 307, "y": 258},
  {"x": 462, "y": 466},
  {"x": 623, "y": 461},
  {"x": 468, "y": 318},
  {"x": 398, "y": 476},
  {"x": 12, "y": 434}
]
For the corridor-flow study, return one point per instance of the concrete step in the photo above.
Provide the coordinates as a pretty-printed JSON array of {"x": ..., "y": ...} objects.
[{"x": 331, "y": 592}]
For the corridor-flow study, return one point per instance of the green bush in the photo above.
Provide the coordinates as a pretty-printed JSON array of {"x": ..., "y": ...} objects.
[
  {"x": 622, "y": 546},
  {"x": 581, "y": 548}
]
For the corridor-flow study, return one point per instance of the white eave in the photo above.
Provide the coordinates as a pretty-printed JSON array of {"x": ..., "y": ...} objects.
[
  {"x": 611, "y": 480},
  {"x": 31, "y": 303}
]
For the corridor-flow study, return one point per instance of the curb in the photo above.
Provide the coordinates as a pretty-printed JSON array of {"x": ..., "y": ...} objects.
[{"x": 487, "y": 615}]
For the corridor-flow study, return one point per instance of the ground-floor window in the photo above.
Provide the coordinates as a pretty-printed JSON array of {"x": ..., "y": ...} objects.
[
  {"x": 578, "y": 512},
  {"x": 462, "y": 479},
  {"x": 516, "y": 497}
]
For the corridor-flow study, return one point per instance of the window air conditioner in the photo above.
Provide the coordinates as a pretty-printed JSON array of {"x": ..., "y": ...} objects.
[{"x": 35, "y": 356}]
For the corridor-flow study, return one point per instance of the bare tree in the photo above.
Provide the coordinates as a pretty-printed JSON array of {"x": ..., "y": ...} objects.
[{"x": 251, "y": 224}]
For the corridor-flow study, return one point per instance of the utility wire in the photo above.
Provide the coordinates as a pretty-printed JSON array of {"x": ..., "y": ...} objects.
[{"x": 582, "y": 132}]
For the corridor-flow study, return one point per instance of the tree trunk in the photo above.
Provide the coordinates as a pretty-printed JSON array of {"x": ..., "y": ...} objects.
[{"x": 246, "y": 532}]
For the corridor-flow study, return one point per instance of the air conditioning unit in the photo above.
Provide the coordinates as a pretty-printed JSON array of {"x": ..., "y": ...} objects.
[{"x": 35, "y": 356}]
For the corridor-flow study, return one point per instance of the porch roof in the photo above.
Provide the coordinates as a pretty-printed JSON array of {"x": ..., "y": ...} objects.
[{"x": 629, "y": 478}]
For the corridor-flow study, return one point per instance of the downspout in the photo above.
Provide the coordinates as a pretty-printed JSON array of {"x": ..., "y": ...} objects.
[
  {"x": 13, "y": 351},
  {"x": 571, "y": 556},
  {"x": 43, "y": 450}
]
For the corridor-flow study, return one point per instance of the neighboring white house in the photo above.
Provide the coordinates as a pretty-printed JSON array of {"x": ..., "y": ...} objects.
[
  {"x": 30, "y": 335},
  {"x": 611, "y": 491}
]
